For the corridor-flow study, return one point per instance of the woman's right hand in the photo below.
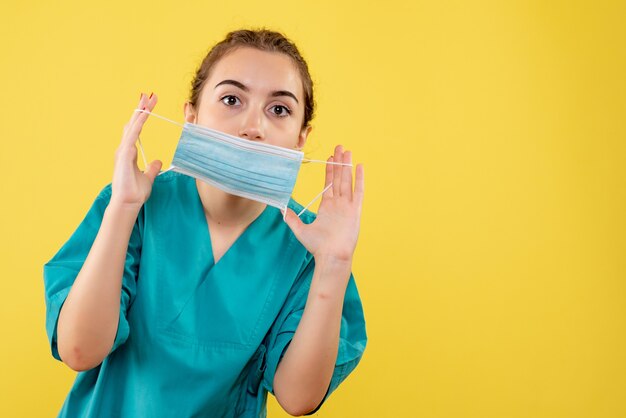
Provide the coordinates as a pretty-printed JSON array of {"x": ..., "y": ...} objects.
[{"x": 131, "y": 187}]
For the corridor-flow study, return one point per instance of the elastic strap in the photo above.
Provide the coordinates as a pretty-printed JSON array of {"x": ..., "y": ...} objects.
[
  {"x": 326, "y": 162},
  {"x": 160, "y": 117},
  {"x": 143, "y": 155},
  {"x": 314, "y": 199}
]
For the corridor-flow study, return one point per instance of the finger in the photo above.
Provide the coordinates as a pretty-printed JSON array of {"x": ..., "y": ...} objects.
[
  {"x": 294, "y": 223},
  {"x": 146, "y": 105},
  {"x": 329, "y": 178},
  {"x": 337, "y": 170},
  {"x": 346, "y": 176},
  {"x": 153, "y": 169},
  {"x": 127, "y": 137},
  {"x": 359, "y": 186},
  {"x": 131, "y": 134},
  {"x": 142, "y": 102},
  {"x": 152, "y": 101},
  {"x": 135, "y": 129}
]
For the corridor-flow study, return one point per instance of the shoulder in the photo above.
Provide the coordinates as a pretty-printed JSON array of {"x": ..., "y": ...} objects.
[
  {"x": 171, "y": 187},
  {"x": 104, "y": 195},
  {"x": 169, "y": 179}
]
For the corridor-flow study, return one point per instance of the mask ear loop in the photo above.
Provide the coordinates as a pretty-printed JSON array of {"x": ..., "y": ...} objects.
[
  {"x": 160, "y": 117},
  {"x": 326, "y": 162},
  {"x": 314, "y": 199},
  {"x": 325, "y": 188},
  {"x": 143, "y": 155},
  {"x": 141, "y": 146}
]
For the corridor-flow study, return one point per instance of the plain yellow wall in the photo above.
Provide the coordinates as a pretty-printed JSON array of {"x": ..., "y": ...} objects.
[{"x": 491, "y": 260}]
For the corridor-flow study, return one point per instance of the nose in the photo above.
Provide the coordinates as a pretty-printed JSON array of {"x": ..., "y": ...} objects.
[{"x": 252, "y": 125}]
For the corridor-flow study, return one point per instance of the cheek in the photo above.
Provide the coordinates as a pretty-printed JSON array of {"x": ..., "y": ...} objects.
[
  {"x": 215, "y": 117},
  {"x": 284, "y": 133},
  {"x": 283, "y": 139}
]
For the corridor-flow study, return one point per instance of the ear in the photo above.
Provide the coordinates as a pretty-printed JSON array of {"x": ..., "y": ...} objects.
[
  {"x": 304, "y": 133},
  {"x": 190, "y": 112}
]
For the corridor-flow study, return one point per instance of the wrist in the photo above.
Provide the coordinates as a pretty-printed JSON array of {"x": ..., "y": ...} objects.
[
  {"x": 333, "y": 260},
  {"x": 123, "y": 207},
  {"x": 122, "y": 213},
  {"x": 331, "y": 277}
]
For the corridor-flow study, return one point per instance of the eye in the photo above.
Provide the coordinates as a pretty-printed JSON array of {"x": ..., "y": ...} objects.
[
  {"x": 230, "y": 100},
  {"x": 280, "y": 110}
]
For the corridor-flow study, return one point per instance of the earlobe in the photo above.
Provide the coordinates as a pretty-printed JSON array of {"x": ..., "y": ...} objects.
[
  {"x": 190, "y": 113},
  {"x": 304, "y": 133}
]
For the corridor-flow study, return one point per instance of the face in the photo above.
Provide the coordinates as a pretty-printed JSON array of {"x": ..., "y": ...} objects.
[{"x": 255, "y": 95}]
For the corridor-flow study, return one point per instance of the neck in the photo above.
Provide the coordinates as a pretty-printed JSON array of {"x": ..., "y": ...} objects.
[{"x": 227, "y": 209}]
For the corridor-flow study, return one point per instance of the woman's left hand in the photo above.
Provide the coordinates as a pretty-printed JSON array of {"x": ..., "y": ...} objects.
[{"x": 333, "y": 234}]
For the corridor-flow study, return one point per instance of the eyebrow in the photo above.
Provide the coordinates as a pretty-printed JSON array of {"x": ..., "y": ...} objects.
[{"x": 240, "y": 85}]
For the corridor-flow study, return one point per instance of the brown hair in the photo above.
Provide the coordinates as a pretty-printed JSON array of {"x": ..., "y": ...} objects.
[{"x": 264, "y": 40}]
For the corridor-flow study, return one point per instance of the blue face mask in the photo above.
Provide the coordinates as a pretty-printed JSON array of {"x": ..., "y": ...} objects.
[{"x": 254, "y": 170}]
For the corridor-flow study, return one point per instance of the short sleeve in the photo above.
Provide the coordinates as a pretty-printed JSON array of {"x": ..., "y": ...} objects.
[
  {"x": 352, "y": 338},
  {"x": 61, "y": 271}
]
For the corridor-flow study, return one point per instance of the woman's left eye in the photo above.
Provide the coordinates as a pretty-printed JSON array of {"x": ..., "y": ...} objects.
[{"x": 280, "y": 110}]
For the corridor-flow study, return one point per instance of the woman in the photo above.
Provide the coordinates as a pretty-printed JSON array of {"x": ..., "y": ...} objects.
[{"x": 175, "y": 298}]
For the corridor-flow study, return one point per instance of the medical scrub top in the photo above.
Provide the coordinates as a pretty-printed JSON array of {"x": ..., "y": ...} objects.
[{"x": 195, "y": 338}]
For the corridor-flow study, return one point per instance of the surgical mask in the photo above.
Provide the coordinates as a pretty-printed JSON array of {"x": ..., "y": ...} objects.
[{"x": 254, "y": 170}]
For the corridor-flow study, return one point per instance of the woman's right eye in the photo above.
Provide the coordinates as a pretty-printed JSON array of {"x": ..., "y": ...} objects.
[{"x": 230, "y": 100}]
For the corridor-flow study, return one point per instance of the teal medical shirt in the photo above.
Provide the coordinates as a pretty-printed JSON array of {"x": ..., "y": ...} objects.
[{"x": 195, "y": 338}]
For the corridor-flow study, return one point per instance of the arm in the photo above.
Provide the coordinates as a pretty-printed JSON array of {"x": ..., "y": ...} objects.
[
  {"x": 304, "y": 374},
  {"x": 88, "y": 319}
]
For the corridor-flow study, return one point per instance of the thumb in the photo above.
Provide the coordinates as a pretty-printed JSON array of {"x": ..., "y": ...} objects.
[
  {"x": 294, "y": 222},
  {"x": 153, "y": 169}
]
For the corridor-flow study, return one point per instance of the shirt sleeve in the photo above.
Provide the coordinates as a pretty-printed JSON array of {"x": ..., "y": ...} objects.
[
  {"x": 61, "y": 271},
  {"x": 352, "y": 338}
]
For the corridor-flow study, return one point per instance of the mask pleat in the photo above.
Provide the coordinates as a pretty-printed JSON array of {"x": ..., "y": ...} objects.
[{"x": 254, "y": 170}]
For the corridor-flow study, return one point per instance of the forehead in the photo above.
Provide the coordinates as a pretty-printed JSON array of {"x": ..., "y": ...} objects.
[{"x": 260, "y": 71}]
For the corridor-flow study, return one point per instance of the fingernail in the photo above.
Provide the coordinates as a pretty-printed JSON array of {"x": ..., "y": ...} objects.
[
  {"x": 150, "y": 96},
  {"x": 140, "y": 96}
]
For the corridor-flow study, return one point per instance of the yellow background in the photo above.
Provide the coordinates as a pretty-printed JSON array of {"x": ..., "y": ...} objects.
[{"x": 491, "y": 260}]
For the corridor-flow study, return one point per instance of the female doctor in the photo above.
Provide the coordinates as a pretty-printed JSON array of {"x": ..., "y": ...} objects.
[{"x": 174, "y": 298}]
